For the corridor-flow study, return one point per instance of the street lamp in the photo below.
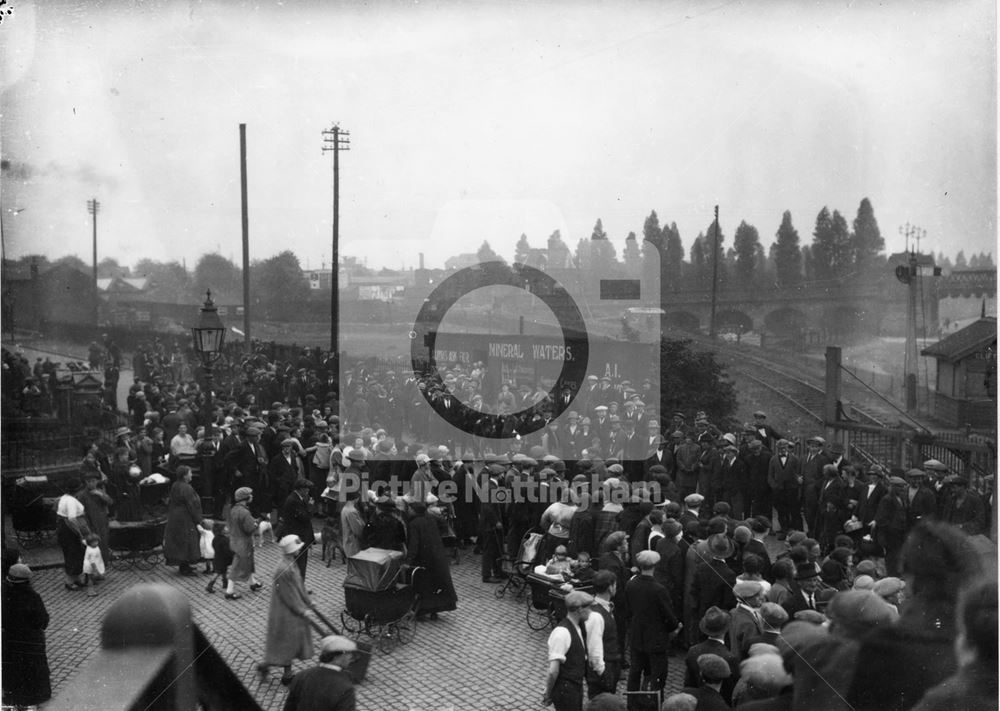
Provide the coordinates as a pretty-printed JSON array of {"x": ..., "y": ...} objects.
[{"x": 208, "y": 335}]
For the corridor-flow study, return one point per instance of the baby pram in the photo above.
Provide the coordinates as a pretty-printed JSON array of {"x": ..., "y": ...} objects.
[
  {"x": 518, "y": 568},
  {"x": 547, "y": 602},
  {"x": 136, "y": 544},
  {"x": 380, "y": 598}
]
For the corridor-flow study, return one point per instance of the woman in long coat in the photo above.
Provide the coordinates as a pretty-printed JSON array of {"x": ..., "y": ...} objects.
[
  {"x": 288, "y": 636},
  {"x": 70, "y": 533},
  {"x": 181, "y": 537},
  {"x": 425, "y": 549},
  {"x": 25, "y": 663},
  {"x": 95, "y": 505},
  {"x": 242, "y": 524}
]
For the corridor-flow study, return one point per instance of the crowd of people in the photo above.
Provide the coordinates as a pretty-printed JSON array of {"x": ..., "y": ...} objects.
[{"x": 677, "y": 521}]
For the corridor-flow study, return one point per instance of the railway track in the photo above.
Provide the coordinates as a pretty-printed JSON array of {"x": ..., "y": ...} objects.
[{"x": 791, "y": 383}]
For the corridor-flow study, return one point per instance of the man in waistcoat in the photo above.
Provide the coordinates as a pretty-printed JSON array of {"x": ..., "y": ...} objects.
[{"x": 570, "y": 650}]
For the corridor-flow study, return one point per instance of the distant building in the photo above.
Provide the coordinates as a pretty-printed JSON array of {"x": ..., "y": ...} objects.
[
  {"x": 965, "y": 388},
  {"x": 962, "y": 296}
]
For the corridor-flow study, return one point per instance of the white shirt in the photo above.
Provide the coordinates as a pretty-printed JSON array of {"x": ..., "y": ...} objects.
[
  {"x": 69, "y": 507},
  {"x": 559, "y": 643}
]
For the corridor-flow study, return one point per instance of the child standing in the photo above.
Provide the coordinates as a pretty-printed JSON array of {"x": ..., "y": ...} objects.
[
  {"x": 205, "y": 543},
  {"x": 222, "y": 556},
  {"x": 93, "y": 562}
]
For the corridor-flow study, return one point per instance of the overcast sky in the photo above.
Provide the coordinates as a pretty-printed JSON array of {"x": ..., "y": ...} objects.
[{"x": 473, "y": 121}]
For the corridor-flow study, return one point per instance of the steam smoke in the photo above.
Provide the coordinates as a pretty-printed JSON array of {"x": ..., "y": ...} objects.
[{"x": 83, "y": 173}]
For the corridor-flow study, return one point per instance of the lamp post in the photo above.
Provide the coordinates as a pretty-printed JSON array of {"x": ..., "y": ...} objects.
[{"x": 208, "y": 335}]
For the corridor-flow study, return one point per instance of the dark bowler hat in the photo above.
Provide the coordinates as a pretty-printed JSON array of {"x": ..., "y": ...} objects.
[
  {"x": 714, "y": 622},
  {"x": 720, "y": 546},
  {"x": 303, "y": 483}
]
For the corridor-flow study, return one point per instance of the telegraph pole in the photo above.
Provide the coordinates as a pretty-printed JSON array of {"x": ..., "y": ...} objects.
[
  {"x": 715, "y": 274},
  {"x": 93, "y": 207},
  {"x": 245, "y": 226},
  {"x": 335, "y": 139},
  {"x": 909, "y": 274}
]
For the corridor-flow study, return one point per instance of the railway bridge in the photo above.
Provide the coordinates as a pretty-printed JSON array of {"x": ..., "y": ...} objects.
[{"x": 836, "y": 308}]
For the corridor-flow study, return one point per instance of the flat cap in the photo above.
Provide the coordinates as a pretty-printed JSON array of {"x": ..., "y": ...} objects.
[
  {"x": 860, "y": 610},
  {"x": 773, "y": 614},
  {"x": 747, "y": 588},
  {"x": 647, "y": 559},
  {"x": 694, "y": 499},
  {"x": 888, "y": 586},
  {"x": 336, "y": 643},
  {"x": 713, "y": 667},
  {"x": 577, "y": 599}
]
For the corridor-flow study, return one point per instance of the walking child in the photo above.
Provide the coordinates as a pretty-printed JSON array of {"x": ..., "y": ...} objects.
[{"x": 222, "y": 556}]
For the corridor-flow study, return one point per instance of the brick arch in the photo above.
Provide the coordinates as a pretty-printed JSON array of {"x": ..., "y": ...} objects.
[
  {"x": 733, "y": 320},
  {"x": 785, "y": 320}
]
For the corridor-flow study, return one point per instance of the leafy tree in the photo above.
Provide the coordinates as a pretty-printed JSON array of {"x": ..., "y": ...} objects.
[
  {"x": 172, "y": 277},
  {"x": 213, "y": 271},
  {"x": 559, "y": 255},
  {"x": 485, "y": 253},
  {"x": 631, "y": 255},
  {"x": 108, "y": 268},
  {"x": 867, "y": 241},
  {"x": 522, "y": 249},
  {"x": 787, "y": 255},
  {"x": 960, "y": 262},
  {"x": 746, "y": 243},
  {"x": 673, "y": 256},
  {"x": 39, "y": 260},
  {"x": 694, "y": 380},
  {"x": 279, "y": 284},
  {"x": 71, "y": 260}
]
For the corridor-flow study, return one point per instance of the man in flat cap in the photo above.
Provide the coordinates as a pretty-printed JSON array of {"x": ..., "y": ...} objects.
[
  {"x": 713, "y": 671},
  {"x": 653, "y": 623},
  {"x": 327, "y": 686},
  {"x": 812, "y": 478},
  {"x": 248, "y": 463},
  {"x": 962, "y": 507},
  {"x": 920, "y": 500},
  {"x": 572, "y": 648},
  {"x": 889, "y": 529},
  {"x": 746, "y": 622}
]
